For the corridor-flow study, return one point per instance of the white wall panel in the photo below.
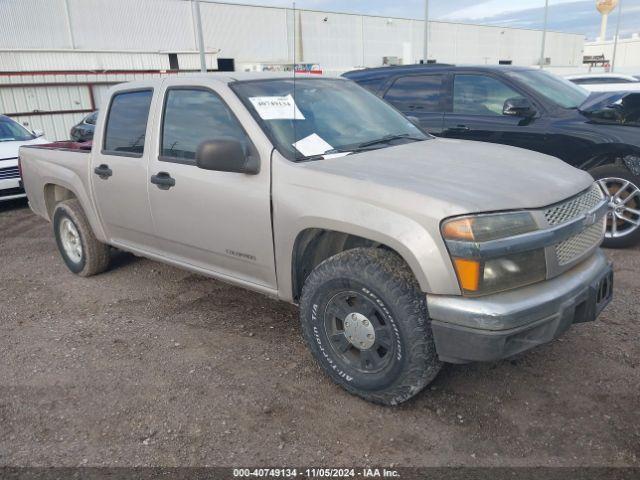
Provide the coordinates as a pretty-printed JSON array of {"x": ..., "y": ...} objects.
[
  {"x": 245, "y": 33},
  {"x": 44, "y": 98},
  {"x": 385, "y": 37},
  {"x": 33, "y": 24},
  {"x": 151, "y": 25},
  {"x": 336, "y": 42}
]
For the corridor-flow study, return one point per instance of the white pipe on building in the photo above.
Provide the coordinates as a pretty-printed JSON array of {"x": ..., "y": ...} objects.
[
  {"x": 544, "y": 33},
  {"x": 615, "y": 40},
  {"x": 203, "y": 58}
]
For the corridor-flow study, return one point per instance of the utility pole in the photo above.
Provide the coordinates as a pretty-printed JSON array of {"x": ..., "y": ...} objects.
[
  {"x": 203, "y": 59},
  {"x": 426, "y": 31},
  {"x": 615, "y": 40},
  {"x": 544, "y": 33}
]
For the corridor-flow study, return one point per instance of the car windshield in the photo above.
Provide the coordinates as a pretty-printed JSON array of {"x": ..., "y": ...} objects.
[
  {"x": 555, "y": 89},
  {"x": 324, "y": 116},
  {"x": 11, "y": 131}
]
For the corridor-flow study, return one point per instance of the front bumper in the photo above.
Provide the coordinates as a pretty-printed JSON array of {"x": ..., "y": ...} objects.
[
  {"x": 505, "y": 324},
  {"x": 11, "y": 188}
]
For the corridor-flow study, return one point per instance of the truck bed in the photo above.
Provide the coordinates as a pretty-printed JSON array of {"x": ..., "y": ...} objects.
[{"x": 66, "y": 164}]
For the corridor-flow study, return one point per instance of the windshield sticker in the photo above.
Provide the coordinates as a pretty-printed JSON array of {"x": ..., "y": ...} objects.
[
  {"x": 312, "y": 145},
  {"x": 277, "y": 108}
]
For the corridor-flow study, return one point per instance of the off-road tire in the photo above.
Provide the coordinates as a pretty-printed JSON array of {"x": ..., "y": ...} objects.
[
  {"x": 385, "y": 279},
  {"x": 95, "y": 254},
  {"x": 617, "y": 171}
]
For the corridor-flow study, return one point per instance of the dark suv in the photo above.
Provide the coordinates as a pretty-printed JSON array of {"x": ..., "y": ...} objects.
[{"x": 532, "y": 109}]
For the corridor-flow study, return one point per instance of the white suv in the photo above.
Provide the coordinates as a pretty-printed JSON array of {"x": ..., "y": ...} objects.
[{"x": 12, "y": 137}]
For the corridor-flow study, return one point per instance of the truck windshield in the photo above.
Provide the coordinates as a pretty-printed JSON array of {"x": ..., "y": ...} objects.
[
  {"x": 324, "y": 117},
  {"x": 11, "y": 131},
  {"x": 555, "y": 89}
]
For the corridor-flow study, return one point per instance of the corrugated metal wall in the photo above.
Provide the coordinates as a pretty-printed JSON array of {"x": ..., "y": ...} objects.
[
  {"x": 54, "y": 103},
  {"x": 138, "y": 35},
  {"x": 337, "y": 41}
]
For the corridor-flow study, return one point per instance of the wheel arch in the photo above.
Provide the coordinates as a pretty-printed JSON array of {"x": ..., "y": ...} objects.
[
  {"x": 55, "y": 192},
  {"x": 313, "y": 245},
  {"x": 614, "y": 154}
]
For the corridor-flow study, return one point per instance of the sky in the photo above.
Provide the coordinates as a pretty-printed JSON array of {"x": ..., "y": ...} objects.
[{"x": 574, "y": 16}]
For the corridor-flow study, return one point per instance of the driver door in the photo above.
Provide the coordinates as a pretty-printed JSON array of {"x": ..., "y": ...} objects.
[
  {"x": 476, "y": 114},
  {"x": 215, "y": 221}
]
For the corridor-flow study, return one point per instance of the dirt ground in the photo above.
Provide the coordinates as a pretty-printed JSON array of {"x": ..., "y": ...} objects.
[{"x": 150, "y": 365}]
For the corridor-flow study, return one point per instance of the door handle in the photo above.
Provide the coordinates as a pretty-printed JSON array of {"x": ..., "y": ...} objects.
[
  {"x": 459, "y": 129},
  {"x": 103, "y": 171},
  {"x": 163, "y": 180}
]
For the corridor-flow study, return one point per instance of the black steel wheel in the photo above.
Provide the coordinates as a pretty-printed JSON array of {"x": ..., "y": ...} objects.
[{"x": 365, "y": 320}]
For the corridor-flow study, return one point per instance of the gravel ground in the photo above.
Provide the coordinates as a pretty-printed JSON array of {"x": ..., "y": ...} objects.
[{"x": 150, "y": 365}]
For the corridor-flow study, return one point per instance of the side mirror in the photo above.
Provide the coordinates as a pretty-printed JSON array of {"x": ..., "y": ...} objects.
[
  {"x": 38, "y": 133},
  {"x": 518, "y": 107},
  {"x": 227, "y": 156}
]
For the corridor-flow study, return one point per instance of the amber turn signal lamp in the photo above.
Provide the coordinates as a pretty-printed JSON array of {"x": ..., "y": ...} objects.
[
  {"x": 468, "y": 274},
  {"x": 461, "y": 229}
]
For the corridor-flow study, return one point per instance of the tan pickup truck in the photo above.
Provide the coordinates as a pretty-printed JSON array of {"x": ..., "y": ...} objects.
[{"x": 402, "y": 250}]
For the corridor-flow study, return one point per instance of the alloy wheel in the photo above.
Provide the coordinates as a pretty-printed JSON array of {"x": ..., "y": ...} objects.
[{"x": 624, "y": 206}]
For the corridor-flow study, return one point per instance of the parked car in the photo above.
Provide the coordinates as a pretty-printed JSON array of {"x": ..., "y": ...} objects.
[
  {"x": 12, "y": 136},
  {"x": 83, "y": 131},
  {"x": 402, "y": 250},
  {"x": 606, "y": 82},
  {"x": 532, "y": 109}
]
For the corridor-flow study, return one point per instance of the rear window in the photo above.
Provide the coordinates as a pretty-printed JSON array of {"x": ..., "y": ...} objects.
[
  {"x": 417, "y": 92},
  {"x": 127, "y": 123}
]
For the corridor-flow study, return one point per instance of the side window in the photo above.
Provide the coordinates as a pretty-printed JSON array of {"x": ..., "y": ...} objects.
[
  {"x": 417, "y": 92},
  {"x": 192, "y": 116},
  {"x": 127, "y": 123},
  {"x": 480, "y": 95}
]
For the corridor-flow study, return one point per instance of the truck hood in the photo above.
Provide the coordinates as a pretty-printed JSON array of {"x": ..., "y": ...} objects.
[
  {"x": 613, "y": 108},
  {"x": 452, "y": 177}
]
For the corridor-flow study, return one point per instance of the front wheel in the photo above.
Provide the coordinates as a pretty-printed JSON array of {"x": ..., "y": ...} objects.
[
  {"x": 623, "y": 220},
  {"x": 365, "y": 320}
]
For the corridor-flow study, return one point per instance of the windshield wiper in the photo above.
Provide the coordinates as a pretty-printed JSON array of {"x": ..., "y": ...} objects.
[
  {"x": 387, "y": 139},
  {"x": 362, "y": 146}
]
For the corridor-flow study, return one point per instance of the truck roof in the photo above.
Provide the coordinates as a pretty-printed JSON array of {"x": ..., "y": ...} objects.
[{"x": 223, "y": 77}]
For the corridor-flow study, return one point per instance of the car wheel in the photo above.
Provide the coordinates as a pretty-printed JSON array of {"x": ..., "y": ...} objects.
[
  {"x": 82, "y": 252},
  {"x": 623, "y": 220},
  {"x": 365, "y": 320}
]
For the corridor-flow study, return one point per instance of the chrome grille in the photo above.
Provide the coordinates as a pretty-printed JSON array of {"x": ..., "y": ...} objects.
[
  {"x": 574, "y": 247},
  {"x": 574, "y": 207},
  {"x": 9, "y": 172}
]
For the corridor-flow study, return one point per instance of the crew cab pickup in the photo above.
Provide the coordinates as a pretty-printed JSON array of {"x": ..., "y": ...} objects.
[{"x": 403, "y": 251}]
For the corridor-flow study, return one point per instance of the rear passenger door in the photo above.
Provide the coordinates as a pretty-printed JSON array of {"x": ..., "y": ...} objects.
[
  {"x": 216, "y": 221},
  {"x": 422, "y": 97},
  {"x": 120, "y": 158}
]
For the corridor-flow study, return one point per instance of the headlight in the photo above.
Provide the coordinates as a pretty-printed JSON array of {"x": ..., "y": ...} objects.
[{"x": 482, "y": 276}]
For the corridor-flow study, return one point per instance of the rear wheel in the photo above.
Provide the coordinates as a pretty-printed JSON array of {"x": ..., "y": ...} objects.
[
  {"x": 365, "y": 320},
  {"x": 81, "y": 251},
  {"x": 623, "y": 220}
]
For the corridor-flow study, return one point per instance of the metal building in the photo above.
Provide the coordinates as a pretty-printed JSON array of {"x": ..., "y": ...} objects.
[{"x": 57, "y": 57}]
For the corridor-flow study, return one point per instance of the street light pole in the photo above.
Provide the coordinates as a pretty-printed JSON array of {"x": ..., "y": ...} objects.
[
  {"x": 203, "y": 59},
  {"x": 426, "y": 31},
  {"x": 615, "y": 40},
  {"x": 544, "y": 33}
]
